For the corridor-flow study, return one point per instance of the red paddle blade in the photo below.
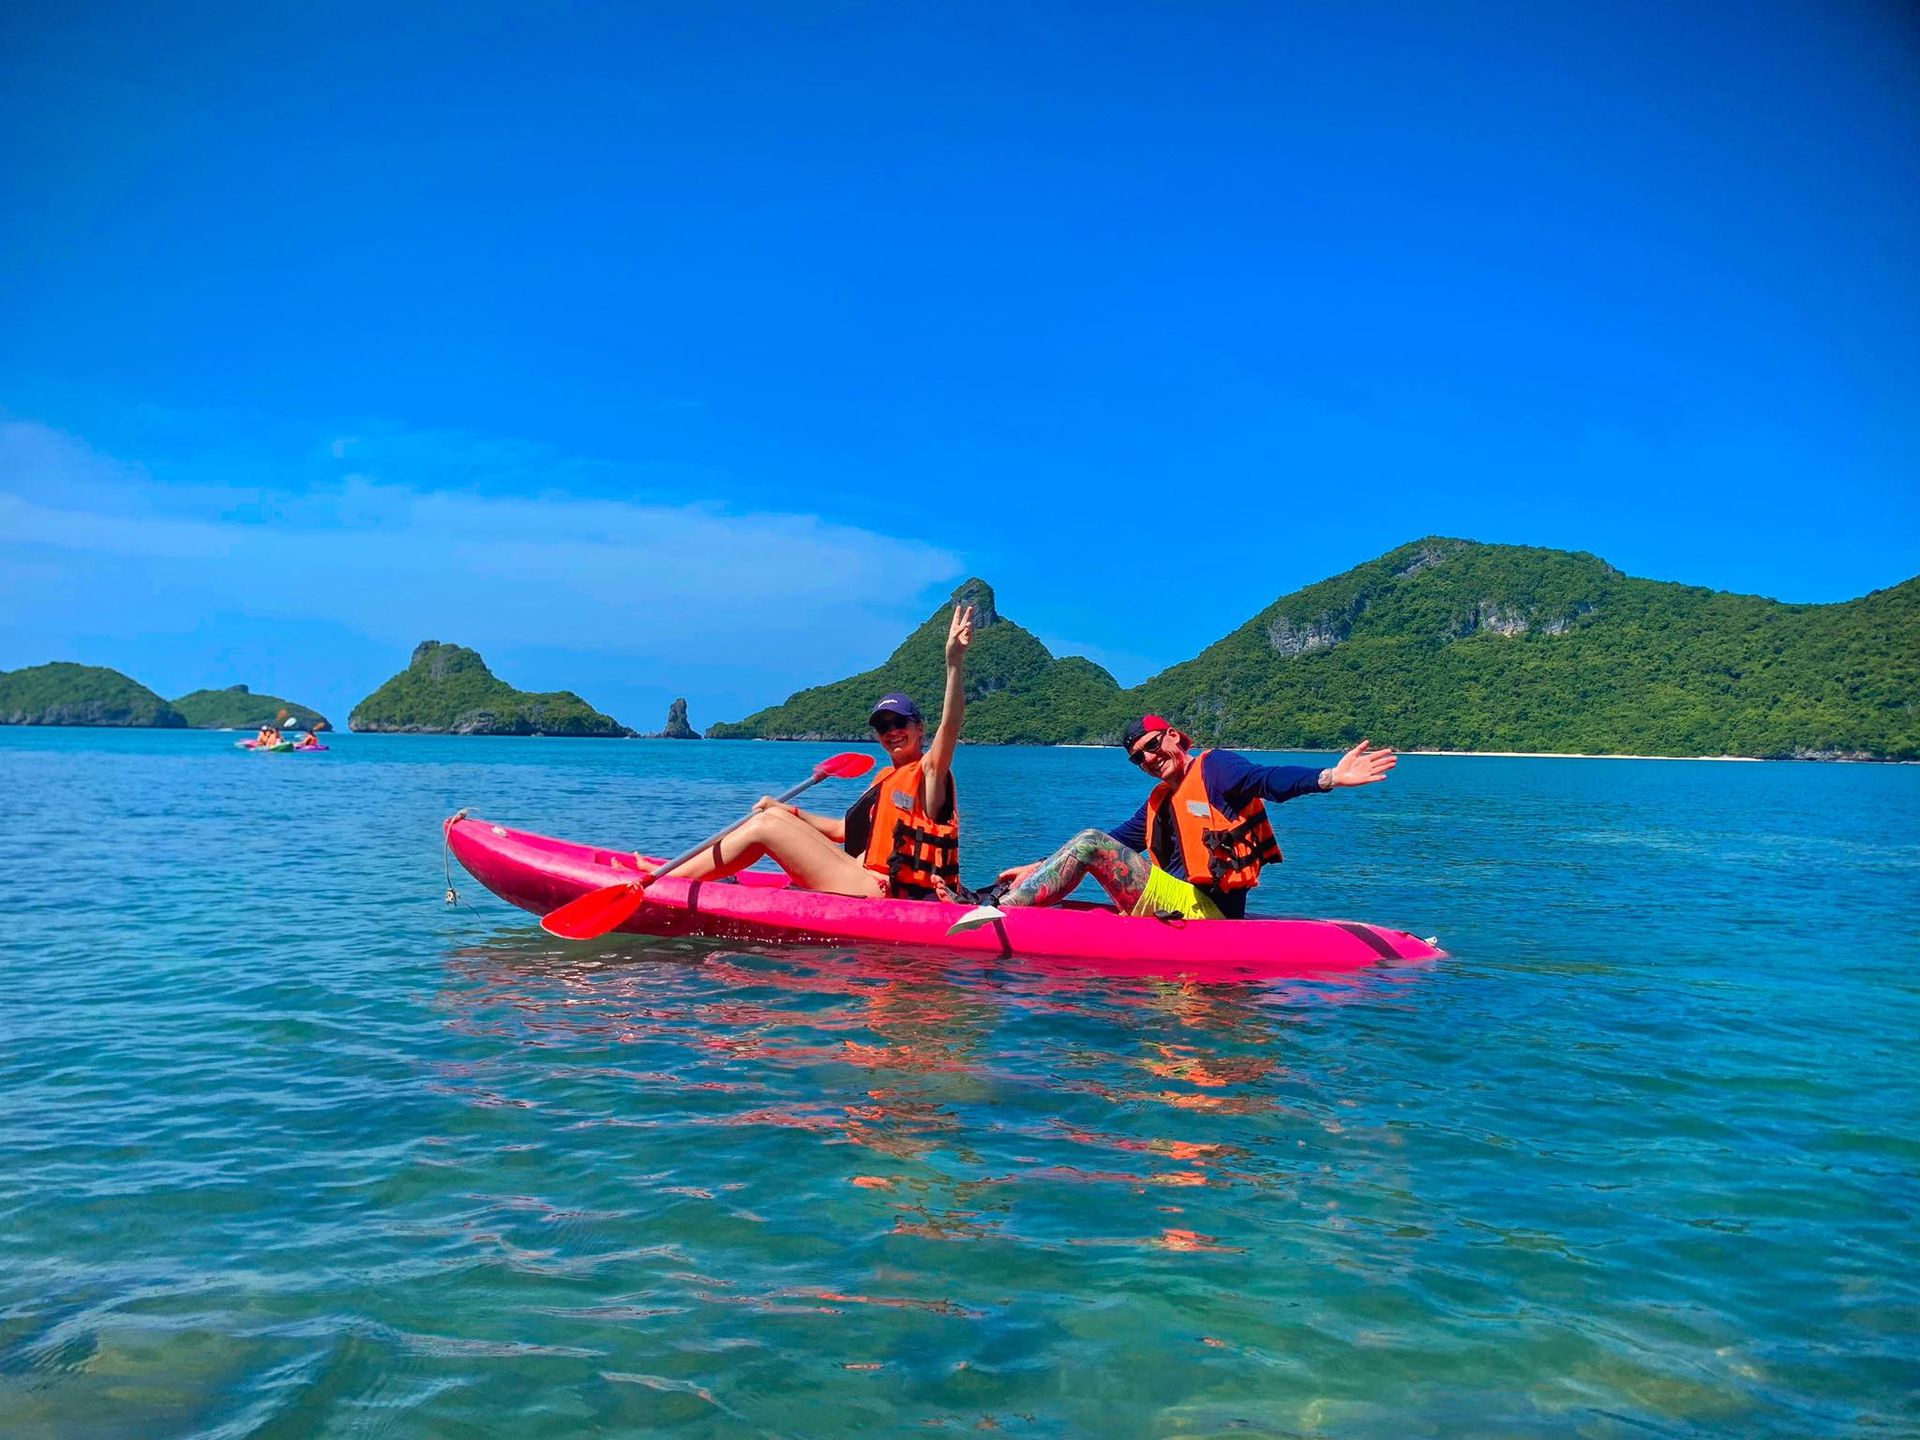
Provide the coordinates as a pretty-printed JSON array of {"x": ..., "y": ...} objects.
[
  {"x": 848, "y": 765},
  {"x": 594, "y": 913}
]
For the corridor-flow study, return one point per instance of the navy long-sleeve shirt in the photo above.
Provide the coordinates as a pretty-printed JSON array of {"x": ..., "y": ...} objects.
[{"x": 1233, "y": 782}]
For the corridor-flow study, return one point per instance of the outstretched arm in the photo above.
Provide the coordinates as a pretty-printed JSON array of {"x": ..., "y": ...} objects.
[
  {"x": 953, "y": 711},
  {"x": 1237, "y": 780}
]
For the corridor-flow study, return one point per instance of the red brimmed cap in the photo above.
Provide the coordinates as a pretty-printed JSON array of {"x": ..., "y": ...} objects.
[{"x": 1143, "y": 727}]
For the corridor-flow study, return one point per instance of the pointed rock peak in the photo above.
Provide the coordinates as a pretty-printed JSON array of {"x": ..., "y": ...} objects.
[
  {"x": 677, "y": 726},
  {"x": 1424, "y": 554},
  {"x": 977, "y": 593}
]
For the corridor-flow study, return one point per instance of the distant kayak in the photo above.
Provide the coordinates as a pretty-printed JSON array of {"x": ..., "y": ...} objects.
[
  {"x": 539, "y": 873},
  {"x": 285, "y": 747}
]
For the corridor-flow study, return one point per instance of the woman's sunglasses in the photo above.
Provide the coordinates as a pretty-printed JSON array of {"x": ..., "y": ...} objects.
[
  {"x": 1147, "y": 753},
  {"x": 888, "y": 723}
]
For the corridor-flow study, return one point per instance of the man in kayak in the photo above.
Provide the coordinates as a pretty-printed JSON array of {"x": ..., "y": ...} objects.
[
  {"x": 901, "y": 838},
  {"x": 1196, "y": 847}
]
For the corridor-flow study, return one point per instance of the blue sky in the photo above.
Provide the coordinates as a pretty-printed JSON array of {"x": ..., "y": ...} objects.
[{"x": 687, "y": 349}]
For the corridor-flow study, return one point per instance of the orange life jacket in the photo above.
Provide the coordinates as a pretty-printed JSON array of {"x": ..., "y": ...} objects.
[
  {"x": 1221, "y": 851},
  {"x": 907, "y": 845}
]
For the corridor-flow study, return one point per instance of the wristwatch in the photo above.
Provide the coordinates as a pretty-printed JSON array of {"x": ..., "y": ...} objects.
[{"x": 1326, "y": 778}]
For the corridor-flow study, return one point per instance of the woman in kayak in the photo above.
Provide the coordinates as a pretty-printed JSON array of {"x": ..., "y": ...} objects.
[
  {"x": 901, "y": 838},
  {"x": 1196, "y": 847},
  {"x": 268, "y": 737}
]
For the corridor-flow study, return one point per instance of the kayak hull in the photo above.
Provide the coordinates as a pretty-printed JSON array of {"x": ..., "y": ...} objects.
[{"x": 539, "y": 873}]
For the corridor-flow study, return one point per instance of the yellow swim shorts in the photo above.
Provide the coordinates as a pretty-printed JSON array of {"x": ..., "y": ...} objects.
[{"x": 1165, "y": 895}]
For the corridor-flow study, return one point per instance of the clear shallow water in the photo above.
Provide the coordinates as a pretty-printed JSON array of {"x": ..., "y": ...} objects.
[{"x": 289, "y": 1148}]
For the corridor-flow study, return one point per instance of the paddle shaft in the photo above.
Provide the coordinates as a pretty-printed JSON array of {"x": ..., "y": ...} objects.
[
  {"x": 589, "y": 916},
  {"x": 712, "y": 840}
]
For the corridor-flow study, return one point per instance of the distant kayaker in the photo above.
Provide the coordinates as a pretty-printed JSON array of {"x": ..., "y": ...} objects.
[
  {"x": 309, "y": 741},
  {"x": 268, "y": 737},
  {"x": 901, "y": 838},
  {"x": 1196, "y": 847}
]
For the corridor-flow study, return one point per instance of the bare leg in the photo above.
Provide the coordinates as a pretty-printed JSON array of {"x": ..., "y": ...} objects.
[
  {"x": 723, "y": 859},
  {"x": 1122, "y": 873},
  {"x": 814, "y": 862}
]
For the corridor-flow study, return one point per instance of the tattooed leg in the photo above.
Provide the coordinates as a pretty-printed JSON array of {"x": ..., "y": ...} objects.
[{"x": 1122, "y": 873}]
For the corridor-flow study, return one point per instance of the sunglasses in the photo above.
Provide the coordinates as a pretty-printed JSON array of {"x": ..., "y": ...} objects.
[
  {"x": 886, "y": 724},
  {"x": 1149, "y": 752}
]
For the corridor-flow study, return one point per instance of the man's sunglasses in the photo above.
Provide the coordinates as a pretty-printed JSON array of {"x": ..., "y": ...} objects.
[
  {"x": 1147, "y": 753},
  {"x": 887, "y": 723}
]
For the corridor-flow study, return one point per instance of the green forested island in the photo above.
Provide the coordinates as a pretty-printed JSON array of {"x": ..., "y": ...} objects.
[
  {"x": 1439, "y": 645},
  {"x": 67, "y": 694},
  {"x": 1017, "y": 692},
  {"x": 448, "y": 689},
  {"x": 1452, "y": 645},
  {"x": 238, "y": 708}
]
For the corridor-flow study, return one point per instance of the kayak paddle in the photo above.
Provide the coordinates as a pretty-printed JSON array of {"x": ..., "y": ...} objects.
[
  {"x": 595, "y": 913},
  {"x": 975, "y": 918}
]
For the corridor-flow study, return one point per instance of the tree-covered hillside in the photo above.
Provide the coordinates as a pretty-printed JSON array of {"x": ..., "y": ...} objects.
[
  {"x": 1016, "y": 690},
  {"x": 1453, "y": 645},
  {"x": 1447, "y": 644},
  {"x": 238, "y": 708},
  {"x": 448, "y": 689},
  {"x": 67, "y": 694}
]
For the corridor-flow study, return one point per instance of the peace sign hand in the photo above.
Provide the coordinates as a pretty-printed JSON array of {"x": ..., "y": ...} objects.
[{"x": 959, "y": 634}]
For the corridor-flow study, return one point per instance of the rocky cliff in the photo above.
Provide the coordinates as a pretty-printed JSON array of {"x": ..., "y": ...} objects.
[{"x": 677, "y": 726}]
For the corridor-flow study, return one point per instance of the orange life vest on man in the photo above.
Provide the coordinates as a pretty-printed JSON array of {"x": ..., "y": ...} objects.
[
  {"x": 1221, "y": 851},
  {"x": 908, "y": 845}
]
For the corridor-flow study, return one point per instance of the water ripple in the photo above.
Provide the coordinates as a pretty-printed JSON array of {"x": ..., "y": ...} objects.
[{"x": 308, "y": 1153}]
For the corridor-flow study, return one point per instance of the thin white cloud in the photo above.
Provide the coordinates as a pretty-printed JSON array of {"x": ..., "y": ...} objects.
[
  {"x": 397, "y": 561},
  {"x": 22, "y": 522}
]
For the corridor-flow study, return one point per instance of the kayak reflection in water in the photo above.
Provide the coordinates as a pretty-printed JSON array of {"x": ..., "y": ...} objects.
[
  {"x": 1196, "y": 847},
  {"x": 901, "y": 838}
]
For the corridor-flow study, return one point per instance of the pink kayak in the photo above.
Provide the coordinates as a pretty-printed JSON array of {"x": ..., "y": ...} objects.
[{"x": 540, "y": 874}]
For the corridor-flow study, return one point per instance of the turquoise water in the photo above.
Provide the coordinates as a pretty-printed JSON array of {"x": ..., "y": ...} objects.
[{"x": 290, "y": 1148}]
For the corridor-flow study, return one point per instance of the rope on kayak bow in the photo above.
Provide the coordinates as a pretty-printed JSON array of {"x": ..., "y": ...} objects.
[{"x": 446, "y": 855}]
